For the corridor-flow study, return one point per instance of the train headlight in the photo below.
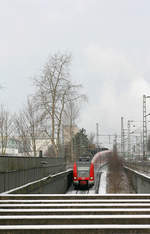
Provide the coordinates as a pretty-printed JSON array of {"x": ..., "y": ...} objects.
[
  {"x": 75, "y": 178},
  {"x": 91, "y": 178}
]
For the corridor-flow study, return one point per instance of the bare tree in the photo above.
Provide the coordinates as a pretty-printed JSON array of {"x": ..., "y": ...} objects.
[
  {"x": 54, "y": 91},
  {"x": 28, "y": 124},
  {"x": 6, "y": 128},
  {"x": 91, "y": 138},
  {"x": 70, "y": 115},
  {"x": 22, "y": 133}
]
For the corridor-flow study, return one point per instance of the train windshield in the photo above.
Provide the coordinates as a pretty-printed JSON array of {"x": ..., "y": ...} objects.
[{"x": 83, "y": 171}]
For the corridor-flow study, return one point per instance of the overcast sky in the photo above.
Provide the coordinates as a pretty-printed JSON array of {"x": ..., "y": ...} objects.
[{"x": 110, "y": 44}]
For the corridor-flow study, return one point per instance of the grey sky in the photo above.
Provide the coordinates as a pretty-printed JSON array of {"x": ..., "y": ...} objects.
[{"x": 109, "y": 41}]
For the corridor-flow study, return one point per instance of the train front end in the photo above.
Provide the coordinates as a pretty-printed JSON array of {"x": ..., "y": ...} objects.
[{"x": 83, "y": 174}]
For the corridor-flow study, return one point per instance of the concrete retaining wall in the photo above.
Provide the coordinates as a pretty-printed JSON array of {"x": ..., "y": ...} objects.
[
  {"x": 140, "y": 183},
  {"x": 16, "y": 171},
  {"x": 13, "y": 163},
  {"x": 53, "y": 184}
]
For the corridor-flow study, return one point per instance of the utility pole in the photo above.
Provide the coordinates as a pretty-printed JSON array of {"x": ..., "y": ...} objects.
[
  {"x": 129, "y": 143},
  {"x": 137, "y": 144},
  {"x": 97, "y": 134},
  {"x": 115, "y": 140},
  {"x": 144, "y": 128},
  {"x": 122, "y": 137}
]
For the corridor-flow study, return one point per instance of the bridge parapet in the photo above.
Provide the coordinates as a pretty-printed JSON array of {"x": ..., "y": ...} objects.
[
  {"x": 63, "y": 213},
  {"x": 140, "y": 181}
]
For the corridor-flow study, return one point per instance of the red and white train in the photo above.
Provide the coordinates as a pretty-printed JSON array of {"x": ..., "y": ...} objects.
[
  {"x": 84, "y": 170},
  {"x": 101, "y": 158}
]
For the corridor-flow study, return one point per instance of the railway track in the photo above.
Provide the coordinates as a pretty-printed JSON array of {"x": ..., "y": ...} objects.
[
  {"x": 82, "y": 191},
  {"x": 82, "y": 213}
]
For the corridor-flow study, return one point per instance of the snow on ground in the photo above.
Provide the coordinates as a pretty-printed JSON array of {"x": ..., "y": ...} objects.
[{"x": 103, "y": 181}]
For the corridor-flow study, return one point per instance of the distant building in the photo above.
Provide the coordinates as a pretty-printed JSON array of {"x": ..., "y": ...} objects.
[
  {"x": 69, "y": 132},
  {"x": 11, "y": 148},
  {"x": 15, "y": 146}
]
